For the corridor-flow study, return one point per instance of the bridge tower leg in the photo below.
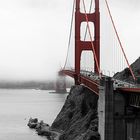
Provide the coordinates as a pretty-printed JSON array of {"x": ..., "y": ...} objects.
[{"x": 86, "y": 45}]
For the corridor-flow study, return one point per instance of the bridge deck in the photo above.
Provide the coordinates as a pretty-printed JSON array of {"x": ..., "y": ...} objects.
[{"x": 92, "y": 81}]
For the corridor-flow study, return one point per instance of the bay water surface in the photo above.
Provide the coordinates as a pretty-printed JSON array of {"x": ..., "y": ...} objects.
[{"x": 17, "y": 106}]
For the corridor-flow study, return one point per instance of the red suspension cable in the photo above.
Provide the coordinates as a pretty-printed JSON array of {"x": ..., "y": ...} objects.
[
  {"x": 119, "y": 40},
  {"x": 72, "y": 17},
  {"x": 96, "y": 60}
]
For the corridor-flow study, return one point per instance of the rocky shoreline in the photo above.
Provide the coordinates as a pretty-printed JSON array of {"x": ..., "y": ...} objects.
[
  {"x": 43, "y": 129},
  {"x": 77, "y": 119}
]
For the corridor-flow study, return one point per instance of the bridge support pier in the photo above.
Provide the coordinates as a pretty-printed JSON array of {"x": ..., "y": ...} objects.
[
  {"x": 106, "y": 109},
  {"x": 61, "y": 83}
]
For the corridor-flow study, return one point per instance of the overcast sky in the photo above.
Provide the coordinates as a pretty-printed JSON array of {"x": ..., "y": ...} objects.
[{"x": 34, "y": 35}]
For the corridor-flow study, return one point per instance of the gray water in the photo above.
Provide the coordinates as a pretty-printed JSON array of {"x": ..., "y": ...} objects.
[{"x": 17, "y": 106}]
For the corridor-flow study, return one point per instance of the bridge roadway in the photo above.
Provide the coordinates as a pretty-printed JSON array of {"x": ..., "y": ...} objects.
[{"x": 92, "y": 81}]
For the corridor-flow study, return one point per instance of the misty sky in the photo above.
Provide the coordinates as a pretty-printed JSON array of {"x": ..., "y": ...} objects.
[{"x": 34, "y": 35}]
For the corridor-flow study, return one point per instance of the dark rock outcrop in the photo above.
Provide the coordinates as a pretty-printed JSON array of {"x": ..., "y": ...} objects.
[
  {"x": 42, "y": 128},
  {"x": 32, "y": 123},
  {"x": 78, "y": 118}
]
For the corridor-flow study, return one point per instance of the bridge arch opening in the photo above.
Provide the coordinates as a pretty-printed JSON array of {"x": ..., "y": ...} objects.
[
  {"x": 90, "y": 6},
  {"x": 87, "y": 63},
  {"x": 84, "y": 32}
]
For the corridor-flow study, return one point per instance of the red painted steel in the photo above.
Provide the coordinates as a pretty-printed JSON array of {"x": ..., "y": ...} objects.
[
  {"x": 93, "y": 47},
  {"x": 83, "y": 45},
  {"x": 89, "y": 83},
  {"x": 69, "y": 73},
  {"x": 132, "y": 73},
  {"x": 86, "y": 45},
  {"x": 97, "y": 33},
  {"x": 94, "y": 85}
]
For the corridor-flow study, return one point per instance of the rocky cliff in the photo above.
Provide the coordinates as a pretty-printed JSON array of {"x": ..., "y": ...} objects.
[{"x": 78, "y": 118}]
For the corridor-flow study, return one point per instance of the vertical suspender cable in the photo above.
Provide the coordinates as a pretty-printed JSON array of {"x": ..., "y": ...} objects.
[{"x": 119, "y": 40}]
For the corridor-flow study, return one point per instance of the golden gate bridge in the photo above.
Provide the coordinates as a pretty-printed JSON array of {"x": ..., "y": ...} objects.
[
  {"x": 94, "y": 50},
  {"x": 84, "y": 61}
]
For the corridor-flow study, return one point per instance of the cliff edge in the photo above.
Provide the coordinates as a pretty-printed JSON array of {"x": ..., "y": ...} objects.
[{"x": 78, "y": 119}]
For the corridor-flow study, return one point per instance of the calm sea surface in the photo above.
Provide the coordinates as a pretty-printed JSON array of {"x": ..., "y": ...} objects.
[{"x": 17, "y": 106}]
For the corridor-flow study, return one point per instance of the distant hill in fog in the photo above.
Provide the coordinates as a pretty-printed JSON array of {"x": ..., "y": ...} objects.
[{"x": 44, "y": 85}]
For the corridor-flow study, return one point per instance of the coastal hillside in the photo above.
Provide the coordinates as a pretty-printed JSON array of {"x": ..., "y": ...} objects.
[
  {"x": 125, "y": 75},
  {"x": 78, "y": 118}
]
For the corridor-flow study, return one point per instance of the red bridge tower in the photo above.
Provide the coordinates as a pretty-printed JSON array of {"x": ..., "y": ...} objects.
[{"x": 86, "y": 45}]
